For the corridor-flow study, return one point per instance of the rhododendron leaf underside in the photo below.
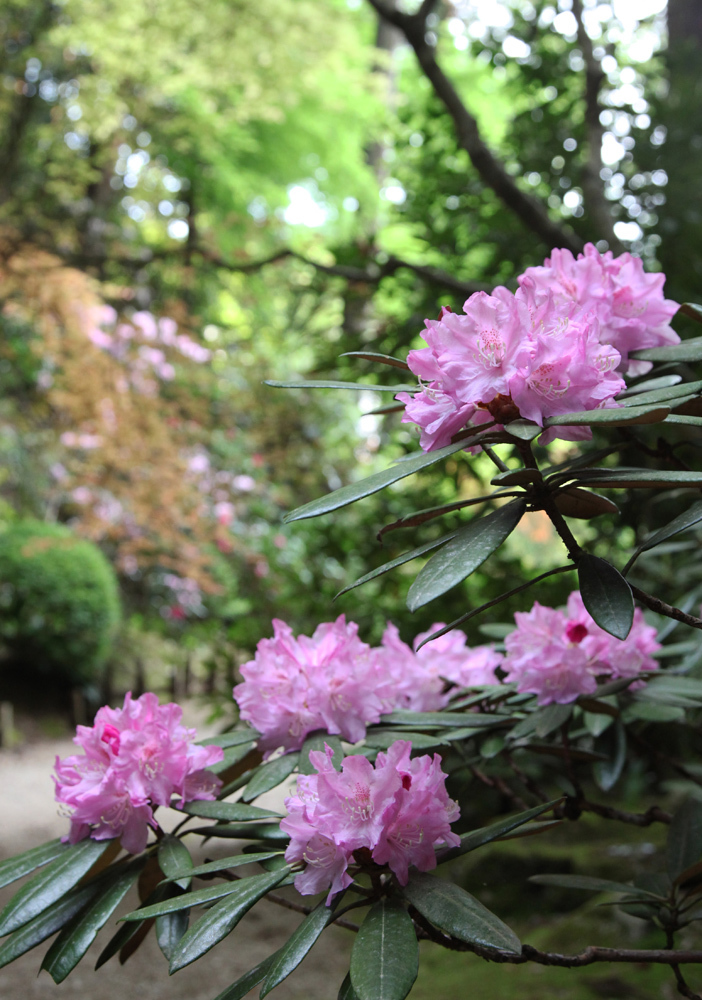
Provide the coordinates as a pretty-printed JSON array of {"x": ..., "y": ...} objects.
[
  {"x": 231, "y": 811},
  {"x": 234, "y": 861},
  {"x": 29, "y": 861},
  {"x": 664, "y": 394},
  {"x": 617, "y": 416},
  {"x": 245, "y": 983},
  {"x": 688, "y": 350},
  {"x": 385, "y": 955},
  {"x": 661, "y": 382},
  {"x": 485, "y": 835},
  {"x": 75, "y": 939},
  {"x": 689, "y": 688},
  {"x": 472, "y": 545},
  {"x": 607, "y": 595},
  {"x": 579, "y": 503},
  {"x": 317, "y": 741},
  {"x": 684, "y": 844},
  {"x": 398, "y": 561},
  {"x": 325, "y": 384},
  {"x": 270, "y": 775},
  {"x": 372, "y": 484},
  {"x": 219, "y": 921},
  {"x": 649, "y": 712},
  {"x": 590, "y": 884},
  {"x": 684, "y": 419},
  {"x": 170, "y": 928},
  {"x": 174, "y": 856},
  {"x": 297, "y": 946},
  {"x": 45, "y": 924},
  {"x": 51, "y": 884},
  {"x": 455, "y": 912},
  {"x": 383, "y": 359}
]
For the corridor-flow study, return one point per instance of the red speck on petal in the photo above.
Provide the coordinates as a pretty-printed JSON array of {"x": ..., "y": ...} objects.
[{"x": 575, "y": 631}]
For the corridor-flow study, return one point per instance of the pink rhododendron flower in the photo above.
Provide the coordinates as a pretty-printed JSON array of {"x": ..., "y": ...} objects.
[
  {"x": 629, "y": 303},
  {"x": 559, "y": 656},
  {"x": 134, "y": 758},
  {"x": 398, "y": 811},
  {"x": 417, "y": 680},
  {"x": 294, "y": 686}
]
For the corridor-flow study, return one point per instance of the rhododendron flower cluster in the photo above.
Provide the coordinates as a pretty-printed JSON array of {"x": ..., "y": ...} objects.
[
  {"x": 418, "y": 676},
  {"x": 560, "y": 655},
  {"x": 334, "y": 681},
  {"x": 395, "y": 813},
  {"x": 552, "y": 348},
  {"x": 135, "y": 758}
]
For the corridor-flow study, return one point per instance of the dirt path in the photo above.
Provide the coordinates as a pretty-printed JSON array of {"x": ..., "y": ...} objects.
[{"x": 29, "y": 817}]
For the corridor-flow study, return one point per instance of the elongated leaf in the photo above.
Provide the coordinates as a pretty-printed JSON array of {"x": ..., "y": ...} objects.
[
  {"x": 271, "y": 775},
  {"x": 244, "y": 985},
  {"x": 683, "y": 418},
  {"x": 454, "y": 911},
  {"x": 382, "y": 739},
  {"x": 623, "y": 478},
  {"x": 688, "y": 350},
  {"x": 525, "y": 430},
  {"x": 613, "y": 741},
  {"x": 486, "y": 834},
  {"x": 661, "y": 382},
  {"x": 232, "y": 755},
  {"x": 439, "y": 720},
  {"x": 356, "y": 491},
  {"x": 47, "y": 923},
  {"x": 29, "y": 861},
  {"x": 617, "y": 416},
  {"x": 174, "y": 856},
  {"x": 580, "y": 503},
  {"x": 684, "y": 846},
  {"x": 384, "y": 359},
  {"x": 552, "y": 717},
  {"x": 606, "y": 595},
  {"x": 315, "y": 383},
  {"x": 666, "y": 393},
  {"x": 317, "y": 741},
  {"x": 75, "y": 939},
  {"x": 219, "y": 921},
  {"x": 237, "y": 812},
  {"x": 385, "y": 955},
  {"x": 183, "y": 901},
  {"x": 468, "y": 550},
  {"x": 170, "y": 928},
  {"x": 244, "y": 831},
  {"x": 51, "y": 883},
  {"x": 222, "y": 864},
  {"x": 297, "y": 946},
  {"x": 231, "y": 739},
  {"x": 398, "y": 561},
  {"x": 692, "y": 516},
  {"x": 590, "y": 884},
  {"x": 129, "y": 936},
  {"x": 346, "y": 990}
]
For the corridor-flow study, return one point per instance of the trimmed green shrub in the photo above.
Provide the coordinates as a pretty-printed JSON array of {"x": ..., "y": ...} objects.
[{"x": 59, "y": 600}]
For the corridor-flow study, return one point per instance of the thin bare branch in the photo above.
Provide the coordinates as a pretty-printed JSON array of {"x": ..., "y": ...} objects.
[
  {"x": 653, "y": 815},
  {"x": 531, "y": 212},
  {"x": 661, "y": 608}
]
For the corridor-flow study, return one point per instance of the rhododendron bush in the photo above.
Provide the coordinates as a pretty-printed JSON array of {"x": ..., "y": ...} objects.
[{"x": 356, "y": 773}]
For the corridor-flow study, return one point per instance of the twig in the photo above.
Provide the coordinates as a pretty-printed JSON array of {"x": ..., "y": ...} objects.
[
  {"x": 661, "y": 608},
  {"x": 653, "y": 815},
  {"x": 500, "y": 785}
]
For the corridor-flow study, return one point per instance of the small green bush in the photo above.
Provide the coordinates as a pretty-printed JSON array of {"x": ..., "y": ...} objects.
[{"x": 59, "y": 601}]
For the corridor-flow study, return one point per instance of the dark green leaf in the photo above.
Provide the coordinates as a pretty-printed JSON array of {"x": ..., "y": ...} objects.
[
  {"x": 617, "y": 416},
  {"x": 552, "y": 717},
  {"x": 651, "y": 712},
  {"x": 683, "y": 418},
  {"x": 684, "y": 846},
  {"x": 631, "y": 478},
  {"x": 174, "y": 857},
  {"x": 222, "y": 864},
  {"x": 232, "y": 739},
  {"x": 232, "y": 755},
  {"x": 385, "y": 955},
  {"x": 525, "y": 430},
  {"x": 662, "y": 382},
  {"x": 364, "y": 488},
  {"x": 464, "y": 553},
  {"x": 244, "y": 985},
  {"x": 75, "y": 939},
  {"x": 613, "y": 742},
  {"x": 237, "y": 812},
  {"x": 666, "y": 393},
  {"x": 222, "y": 918},
  {"x": 316, "y": 741},
  {"x": 51, "y": 883},
  {"x": 244, "y": 831},
  {"x": 688, "y": 350},
  {"x": 691, "y": 309},
  {"x": 184, "y": 901},
  {"x": 439, "y": 720},
  {"x": 43, "y": 926},
  {"x": 382, "y": 739},
  {"x": 590, "y": 884},
  {"x": 606, "y": 595},
  {"x": 486, "y": 834},
  {"x": 346, "y": 990},
  {"x": 455, "y": 912},
  {"x": 692, "y": 516},
  {"x": 270, "y": 775},
  {"x": 297, "y": 946},
  {"x": 23, "y": 864},
  {"x": 398, "y": 561},
  {"x": 170, "y": 928},
  {"x": 325, "y": 384}
]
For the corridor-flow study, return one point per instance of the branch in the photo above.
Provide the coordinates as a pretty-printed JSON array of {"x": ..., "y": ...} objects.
[
  {"x": 531, "y": 212},
  {"x": 593, "y": 189},
  {"x": 661, "y": 608},
  {"x": 653, "y": 815}
]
